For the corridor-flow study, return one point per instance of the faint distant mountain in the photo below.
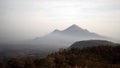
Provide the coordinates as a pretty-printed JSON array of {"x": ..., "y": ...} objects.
[
  {"x": 62, "y": 39},
  {"x": 75, "y": 30},
  {"x": 89, "y": 43}
]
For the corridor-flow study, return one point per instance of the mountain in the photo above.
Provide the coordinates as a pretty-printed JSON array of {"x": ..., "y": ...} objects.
[
  {"x": 90, "y": 43},
  {"x": 63, "y": 38},
  {"x": 75, "y": 30}
]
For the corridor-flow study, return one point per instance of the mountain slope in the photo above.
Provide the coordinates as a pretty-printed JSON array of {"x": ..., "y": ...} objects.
[{"x": 75, "y": 30}]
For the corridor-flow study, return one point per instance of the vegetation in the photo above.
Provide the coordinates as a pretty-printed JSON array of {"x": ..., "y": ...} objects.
[{"x": 89, "y": 57}]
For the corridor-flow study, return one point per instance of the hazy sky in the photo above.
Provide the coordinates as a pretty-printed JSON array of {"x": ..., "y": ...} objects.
[{"x": 25, "y": 19}]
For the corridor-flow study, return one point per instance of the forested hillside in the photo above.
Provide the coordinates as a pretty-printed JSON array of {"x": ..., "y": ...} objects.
[{"x": 89, "y": 57}]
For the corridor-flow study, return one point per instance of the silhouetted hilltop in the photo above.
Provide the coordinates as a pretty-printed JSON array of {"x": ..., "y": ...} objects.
[{"x": 89, "y": 43}]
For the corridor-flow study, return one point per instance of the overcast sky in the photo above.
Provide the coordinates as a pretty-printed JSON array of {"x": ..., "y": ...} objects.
[{"x": 26, "y": 19}]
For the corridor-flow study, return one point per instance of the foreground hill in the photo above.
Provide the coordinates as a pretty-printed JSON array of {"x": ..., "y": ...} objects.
[{"x": 89, "y": 57}]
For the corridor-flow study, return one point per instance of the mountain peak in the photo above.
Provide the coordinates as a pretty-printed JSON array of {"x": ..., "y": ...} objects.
[{"x": 73, "y": 27}]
